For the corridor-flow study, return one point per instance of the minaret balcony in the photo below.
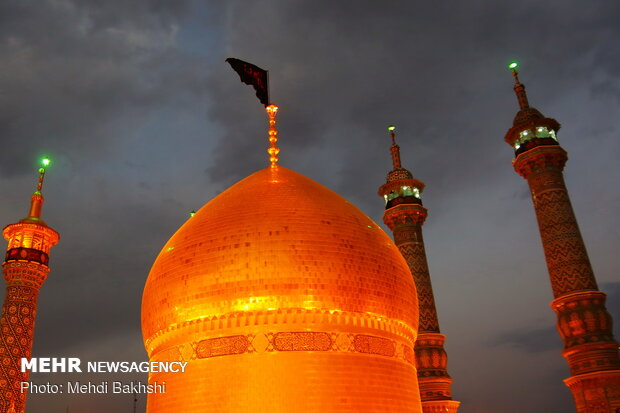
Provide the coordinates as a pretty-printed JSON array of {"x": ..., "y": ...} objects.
[
  {"x": 531, "y": 138},
  {"x": 403, "y": 200}
]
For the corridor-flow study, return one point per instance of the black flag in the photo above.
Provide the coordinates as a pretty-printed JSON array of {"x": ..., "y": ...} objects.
[{"x": 252, "y": 75}]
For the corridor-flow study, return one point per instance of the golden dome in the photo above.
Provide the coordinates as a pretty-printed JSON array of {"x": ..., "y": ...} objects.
[
  {"x": 280, "y": 264},
  {"x": 248, "y": 248}
]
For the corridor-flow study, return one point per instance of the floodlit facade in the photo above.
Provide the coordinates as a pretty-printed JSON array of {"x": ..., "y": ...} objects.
[
  {"x": 282, "y": 297},
  {"x": 25, "y": 270},
  {"x": 583, "y": 321},
  {"x": 405, "y": 215}
]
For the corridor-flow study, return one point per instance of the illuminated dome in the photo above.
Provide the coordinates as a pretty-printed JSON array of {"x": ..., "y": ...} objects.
[{"x": 283, "y": 297}]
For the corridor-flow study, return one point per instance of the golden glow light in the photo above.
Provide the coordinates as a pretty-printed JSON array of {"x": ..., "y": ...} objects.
[{"x": 282, "y": 297}]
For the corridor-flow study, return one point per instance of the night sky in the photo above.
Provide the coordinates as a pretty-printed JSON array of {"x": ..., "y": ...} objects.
[{"x": 145, "y": 121}]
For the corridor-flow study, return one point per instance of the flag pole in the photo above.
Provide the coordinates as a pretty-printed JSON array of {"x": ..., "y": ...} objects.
[
  {"x": 273, "y": 150},
  {"x": 267, "y": 76},
  {"x": 259, "y": 78},
  {"x": 272, "y": 111}
]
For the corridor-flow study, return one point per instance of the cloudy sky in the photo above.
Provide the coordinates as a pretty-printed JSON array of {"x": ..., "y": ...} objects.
[{"x": 145, "y": 122}]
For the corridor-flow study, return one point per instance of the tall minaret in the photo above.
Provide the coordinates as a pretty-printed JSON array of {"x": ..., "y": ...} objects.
[
  {"x": 25, "y": 270},
  {"x": 583, "y": 322},
  {"x": 405, "y": 215}
]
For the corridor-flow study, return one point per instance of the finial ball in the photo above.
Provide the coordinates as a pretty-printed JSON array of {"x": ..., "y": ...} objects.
[{"x": 272, "y": 109}]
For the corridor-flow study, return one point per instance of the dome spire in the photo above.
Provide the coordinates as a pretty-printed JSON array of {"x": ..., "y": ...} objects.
[
  {"x": 395, "y": 148},
  {"x": 273, "y": 150},
  {"x": 519, "y": 87},
  {"x": 36, "y": 201}
]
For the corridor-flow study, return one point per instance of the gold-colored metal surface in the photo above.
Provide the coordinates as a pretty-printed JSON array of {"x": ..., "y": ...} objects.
[{"x": 283, "y": 297}]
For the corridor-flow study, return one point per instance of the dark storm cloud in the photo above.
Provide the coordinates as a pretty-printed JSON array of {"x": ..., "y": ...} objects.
[
  {"x": 342, "y": 73},
  {"x": 80, "y": 81},
  {"x": 533, "y": 340},
  {"x": 351, "y": 69},
  {"x": 74, "y": 74},
  {"x": 612, "y": 289},
  {"x": 77, "y": 76},
  {"x": 147, "y": 122}
]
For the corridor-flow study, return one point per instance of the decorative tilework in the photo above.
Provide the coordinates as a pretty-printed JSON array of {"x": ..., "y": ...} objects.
[
  {"x": 17, "y": 328},
  {"x": 222, "y": 346},
  {"x": 289, "y": 341},
  {"x": 406, "y": 220},
  {"x": 374, "y": 345},
  {"x": 302, "y": 341},
  {"x": 583, "y": 321}
]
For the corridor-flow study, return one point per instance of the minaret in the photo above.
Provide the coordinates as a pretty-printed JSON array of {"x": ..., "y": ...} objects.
[
  {"x": 405, "y": 215},
  {"x": 25, "y": 270},
  {"x": 583, "y": 321}
]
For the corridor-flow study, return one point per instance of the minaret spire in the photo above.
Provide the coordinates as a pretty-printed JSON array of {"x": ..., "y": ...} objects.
[
  {"x": 519, "y": 87},
  {"x": 405, "y": 215},
  {"x": 45, "y": 162},
  {"x": 395, "y": 149},
  {"x": 25, "y": 270},
  {"x": 36, "y": 200},
  {"x": 583, "y": 321}
]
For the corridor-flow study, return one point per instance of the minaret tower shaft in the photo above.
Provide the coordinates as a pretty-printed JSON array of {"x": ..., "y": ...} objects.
[
  {"x": 405, "y": 215},
  {"x": 583, "y": 321},
  {"x": 25, "y": 270}
]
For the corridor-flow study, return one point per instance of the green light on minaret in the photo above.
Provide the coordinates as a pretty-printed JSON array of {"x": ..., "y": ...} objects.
[
  {"x": 391, "y": 128},
  {"x": 513, "y": 65},
  {"x": 45, "y": 161},
  {"x": 192, "y": 213}
]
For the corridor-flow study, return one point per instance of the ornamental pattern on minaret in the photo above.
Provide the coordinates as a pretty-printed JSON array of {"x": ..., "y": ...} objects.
[
  {"x": 583, "y": 321},
  {"x": 404, "y": 215},
  {"x": 25, "y": 269}
]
